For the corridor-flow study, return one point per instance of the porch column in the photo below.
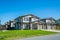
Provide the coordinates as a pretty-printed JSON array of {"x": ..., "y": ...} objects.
[
  {"x": 38, "y": 27},
  {"x": 31, "y": 26},
  {"x": 43, "y": 26},
  {"x": 6, "y": 26},
  {"x": 22, "y": 27}
]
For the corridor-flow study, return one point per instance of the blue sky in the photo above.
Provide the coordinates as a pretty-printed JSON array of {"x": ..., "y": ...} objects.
[{"x": 10, "y": 9}]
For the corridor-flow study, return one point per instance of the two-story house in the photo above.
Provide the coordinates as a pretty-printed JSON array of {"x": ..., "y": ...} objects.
[{"x": 27, "y": 22}]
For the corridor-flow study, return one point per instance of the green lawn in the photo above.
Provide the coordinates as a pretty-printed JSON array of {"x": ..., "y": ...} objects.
[{"x": 11, "y": 34}]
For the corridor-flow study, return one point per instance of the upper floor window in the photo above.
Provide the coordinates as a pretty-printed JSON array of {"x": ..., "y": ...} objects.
[
  {"x": 48, "y": 20},
  {"x": 26, "y": 19}
]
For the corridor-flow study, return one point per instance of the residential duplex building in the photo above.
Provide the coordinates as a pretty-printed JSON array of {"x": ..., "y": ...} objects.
[{"x": 31, "y": 22}]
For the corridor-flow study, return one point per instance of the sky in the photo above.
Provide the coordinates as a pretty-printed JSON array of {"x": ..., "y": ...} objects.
[{"x": 11, "y": 9}]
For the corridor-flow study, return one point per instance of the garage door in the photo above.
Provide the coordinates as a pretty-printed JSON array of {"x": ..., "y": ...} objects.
[{"x": 48, "y": 26}]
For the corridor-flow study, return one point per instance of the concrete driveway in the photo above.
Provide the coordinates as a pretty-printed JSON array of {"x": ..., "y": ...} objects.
[{"x": 48, "y": 37}]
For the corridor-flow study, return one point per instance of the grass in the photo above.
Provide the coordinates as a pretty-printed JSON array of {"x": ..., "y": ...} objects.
[{"x": 12, "y": 34}]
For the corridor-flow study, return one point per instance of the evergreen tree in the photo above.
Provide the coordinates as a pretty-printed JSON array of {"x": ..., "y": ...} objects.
[{"x": 58, "y": 22}]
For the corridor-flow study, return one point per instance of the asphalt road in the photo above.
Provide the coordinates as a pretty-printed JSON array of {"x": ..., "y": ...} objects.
[{"x": 48, "y": 37}]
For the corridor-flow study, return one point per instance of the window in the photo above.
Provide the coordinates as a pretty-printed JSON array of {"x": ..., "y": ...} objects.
[
  {"x": 48, "y": 21},
  {"x": 26, "y": 19}
]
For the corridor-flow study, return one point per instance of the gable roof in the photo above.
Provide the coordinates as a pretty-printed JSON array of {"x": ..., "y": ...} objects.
[
  {"x": 28, "y": 15},
  {"x": 50, "y": 18}
]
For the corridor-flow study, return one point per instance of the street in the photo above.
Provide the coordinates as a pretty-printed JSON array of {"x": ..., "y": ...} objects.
[{"x": 47, "y": 37}]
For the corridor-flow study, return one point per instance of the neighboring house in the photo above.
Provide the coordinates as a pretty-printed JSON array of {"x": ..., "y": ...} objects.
[
  {"x": 3, "y": 27},
  {"x": 50, "y": 23},
  {"x": 31, "y": 22},
  {"x": 10, "y": 25}
]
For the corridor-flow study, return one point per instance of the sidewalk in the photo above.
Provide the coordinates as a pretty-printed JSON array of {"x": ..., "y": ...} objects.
[{"x": 51, "y": 30}]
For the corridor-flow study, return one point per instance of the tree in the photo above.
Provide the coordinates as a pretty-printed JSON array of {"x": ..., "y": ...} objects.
[{"x": 58, "y": 22}]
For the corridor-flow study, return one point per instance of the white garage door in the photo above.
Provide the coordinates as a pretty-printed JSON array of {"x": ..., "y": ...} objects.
[
  {"x": 48, "y": 26},
  {"x": 40, "y": 27}
]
